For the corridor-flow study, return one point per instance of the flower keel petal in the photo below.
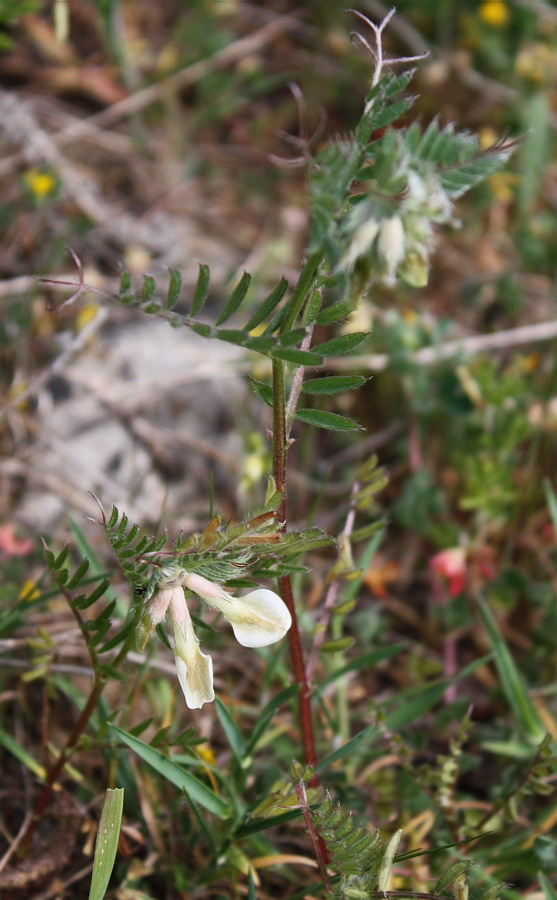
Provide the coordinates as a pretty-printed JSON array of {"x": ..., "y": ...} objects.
[
  {"x": 194, "y": 668},
  {"x": 195, "y": 677}
]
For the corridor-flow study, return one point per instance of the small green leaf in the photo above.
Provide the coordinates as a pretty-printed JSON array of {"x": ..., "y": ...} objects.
[
  {"x": 331, "y": 421},
  {"x": 264, "y": 391},
  {"x": 110, "y": 672},
  {"x": 174, "y": 773},
  {"x": 148, "y": 288},
  {"x": 334, "y": 313},
  {"x": 61, "y": 558},
  {"x": 235, "y": 299},
  {"x": 392, "y": 113},
  {"x": 78, "y": 574},
  {"x": 300, "y": 357},
  {"x": 268, "y": 305},
  {"x": 83, "y": 602},
  {"x": 201, "y": 290},
  {"x": 341, "y": 344},
  {"x": 337, "y": 645},
  {"x": 290, "y": 338},
  {"x": 451, "y": 874},
  {"x": 260, "y": 344},
  {"x": 366, "y": 531},
  {"x": 125, "y": 292},
  {"x": 231, "y": 336},
  {"x": 118, "y": 638},
  {"x": 202, "y": 329},
  {"x": 174, "y": 288},
  {"x": 333, "y": 384},
  {"x": 107, "y": 842}
]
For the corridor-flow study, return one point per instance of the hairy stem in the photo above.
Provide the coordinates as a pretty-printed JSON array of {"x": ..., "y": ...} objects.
[
  {"x": 319, "y": 847},
  {"x": 280, "y": 450},
  {"x": 294, "y": 307}
]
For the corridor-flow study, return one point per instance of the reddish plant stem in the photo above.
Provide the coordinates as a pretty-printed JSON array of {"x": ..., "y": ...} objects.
[
  {"x": 316, "y": 839},
  {"x": 63, "y": 757},
  {"x": 280, "y": 451}
]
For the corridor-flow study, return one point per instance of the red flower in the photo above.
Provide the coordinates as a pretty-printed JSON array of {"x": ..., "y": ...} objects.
[{"x": 450, "y": 566}]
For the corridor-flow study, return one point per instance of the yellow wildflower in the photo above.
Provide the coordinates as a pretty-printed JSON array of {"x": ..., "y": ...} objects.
[
  {"x": 40, "y": 183},
  {"x": 495, "y": 13}
]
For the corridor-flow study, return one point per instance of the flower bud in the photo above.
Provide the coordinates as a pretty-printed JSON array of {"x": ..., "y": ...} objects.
[{"x": 153, "y": 614}]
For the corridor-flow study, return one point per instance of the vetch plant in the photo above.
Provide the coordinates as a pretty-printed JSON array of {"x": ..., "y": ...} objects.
[{"x": 376, "y": 198}]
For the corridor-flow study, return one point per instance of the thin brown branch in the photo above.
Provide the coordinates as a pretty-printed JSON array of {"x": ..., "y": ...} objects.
[{"x": 476, "y": 343}]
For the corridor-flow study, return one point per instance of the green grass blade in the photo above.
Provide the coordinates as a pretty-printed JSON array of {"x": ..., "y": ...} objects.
[
  {"x": 267, "y": 714},
  {"x": 346, "y": 749},
  {"x": 107, "y": 842},
  {"x": 174, "y": 773},
  {"x": 547, "y": 887},
  {"x": 10, "y": 744},
  {"x": 512, "y": 682},
  {"x": 366, "y": 659},
  {"x": 410, "y": 711},
  {"x": 551, "y": 503},
  {"x": 230, "y": 729}
]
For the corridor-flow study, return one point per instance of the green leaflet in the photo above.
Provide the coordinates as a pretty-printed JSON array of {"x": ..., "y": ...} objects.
[
  {"x": 331, "y": 421},
  {"x": 333, "y": 384},
  {"x": 201, "y": 290},
  {"x": 341, "y": 344},
  {"x": 235, "y": 299},
  {"x": 512, "y": 682}
]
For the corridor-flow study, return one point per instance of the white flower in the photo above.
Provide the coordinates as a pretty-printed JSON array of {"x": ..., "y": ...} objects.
[
  {"x": 258, "y": 619},
  {"x": 362, "y": 240},
  {"x": 194, "y": 668},
  {"x": 391, "y": 245}
]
